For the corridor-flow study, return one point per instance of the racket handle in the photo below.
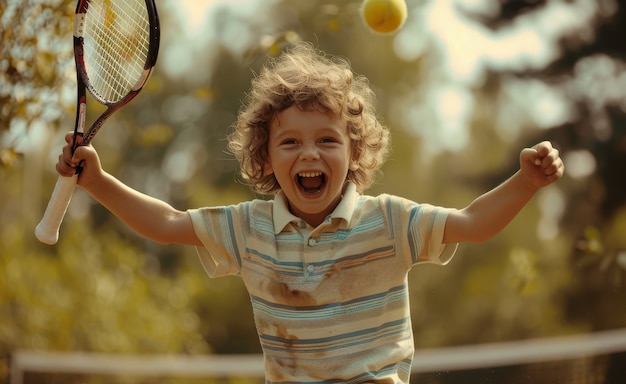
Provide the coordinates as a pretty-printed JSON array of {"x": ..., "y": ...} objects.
[{"x": 47, "y": 231}]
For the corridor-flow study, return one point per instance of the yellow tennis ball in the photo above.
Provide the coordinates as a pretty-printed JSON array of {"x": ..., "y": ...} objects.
[{"x": 384, "y": 16}]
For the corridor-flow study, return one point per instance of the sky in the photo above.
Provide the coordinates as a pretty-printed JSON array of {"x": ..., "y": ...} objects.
[{"x": 466, "y": 49}]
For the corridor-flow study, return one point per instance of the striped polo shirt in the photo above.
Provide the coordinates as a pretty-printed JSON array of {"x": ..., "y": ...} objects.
[{"x": 330, "y": 303}]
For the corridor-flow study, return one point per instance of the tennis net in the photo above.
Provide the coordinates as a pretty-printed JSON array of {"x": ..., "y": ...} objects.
[{"x": 597, "y": 358}]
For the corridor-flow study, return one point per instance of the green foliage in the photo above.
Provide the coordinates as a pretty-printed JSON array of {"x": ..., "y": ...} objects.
[
  {"x": 34, "y": 63},
  {"x": 104, "y": 289},
  {"x": 92, "y": 292}
]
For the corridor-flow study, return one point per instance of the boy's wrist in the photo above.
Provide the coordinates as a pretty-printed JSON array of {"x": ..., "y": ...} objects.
[
  {"x": 525, "y": 182},
  {"x": 94, "y": 182}
]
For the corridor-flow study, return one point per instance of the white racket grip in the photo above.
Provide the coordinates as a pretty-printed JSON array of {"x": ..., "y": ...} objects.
[{"x": 47, "y": 230}]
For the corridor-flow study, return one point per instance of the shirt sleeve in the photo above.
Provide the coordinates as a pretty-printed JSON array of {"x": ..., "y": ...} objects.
[
  {"x": 426, "y": 229},
  {"x": 219, "y": 230},
  {"x": 421, "y": 228}
]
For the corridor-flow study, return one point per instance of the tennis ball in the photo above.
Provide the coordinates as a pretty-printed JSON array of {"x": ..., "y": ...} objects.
[{"x": 384, "y": 16}]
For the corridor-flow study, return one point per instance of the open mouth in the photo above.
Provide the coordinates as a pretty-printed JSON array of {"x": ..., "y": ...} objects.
[{"x": 311, "y": 182}]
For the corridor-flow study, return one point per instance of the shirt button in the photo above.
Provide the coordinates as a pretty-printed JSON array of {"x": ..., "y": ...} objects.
[
  {"x": 310, "y": 268},
  {"x": 312, "y": 242}
]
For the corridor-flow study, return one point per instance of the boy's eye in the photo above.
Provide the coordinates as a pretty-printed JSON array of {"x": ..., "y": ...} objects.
[
  {"x": 328, "y": 140},
  {"x": 288, "y": 141}
]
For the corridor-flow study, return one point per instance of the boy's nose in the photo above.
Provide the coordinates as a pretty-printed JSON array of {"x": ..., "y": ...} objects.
[{"x": 309, "y": 152}]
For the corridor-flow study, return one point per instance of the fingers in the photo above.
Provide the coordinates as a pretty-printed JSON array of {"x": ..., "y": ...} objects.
[
  {"x": 66, "y": 166},
  {"x": 70, "y": 159},
  {"x": 541, "y": 155},
  {"x": 549, "y": 159},
  {"x": 545, "y": 158},
  {"x": 546, "y": 154},
  {"x": 538, "y": 153}
]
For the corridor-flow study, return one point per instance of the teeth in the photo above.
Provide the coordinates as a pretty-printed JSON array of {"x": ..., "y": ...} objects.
[{"x": 309, "y": 174}]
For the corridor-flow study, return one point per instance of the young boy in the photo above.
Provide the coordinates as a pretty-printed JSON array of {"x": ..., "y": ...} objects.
[{"x": 325, "y": 266}]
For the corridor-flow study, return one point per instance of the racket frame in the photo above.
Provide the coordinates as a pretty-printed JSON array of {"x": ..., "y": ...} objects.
[
  {"x": 47, "y": 231},
  {"x": 83, "y": 77}
]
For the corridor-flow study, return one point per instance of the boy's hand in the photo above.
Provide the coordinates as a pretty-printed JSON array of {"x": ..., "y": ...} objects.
[
  {"x": 541, "y": 165},
  {"x": 84, "y": 156}
]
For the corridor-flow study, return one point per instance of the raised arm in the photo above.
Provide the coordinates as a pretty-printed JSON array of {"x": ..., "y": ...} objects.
[
  {"x": 491, "y": 212},
  {"x": 149, "y": 217}
]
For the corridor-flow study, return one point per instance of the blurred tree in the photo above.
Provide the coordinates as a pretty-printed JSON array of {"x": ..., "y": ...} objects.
[
  {"x": 34, "y": 61},
  {"x": 558, "y": 268}
]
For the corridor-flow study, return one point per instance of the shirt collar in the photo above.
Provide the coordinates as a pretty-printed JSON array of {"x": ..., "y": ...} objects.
[{"x": 344, "y": 210}]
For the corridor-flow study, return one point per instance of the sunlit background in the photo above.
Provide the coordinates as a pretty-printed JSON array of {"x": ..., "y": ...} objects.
[{"x": 464, "y": 86}]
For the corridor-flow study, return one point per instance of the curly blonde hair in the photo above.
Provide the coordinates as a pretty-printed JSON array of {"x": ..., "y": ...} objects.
[{"x": 312, "y": 81}]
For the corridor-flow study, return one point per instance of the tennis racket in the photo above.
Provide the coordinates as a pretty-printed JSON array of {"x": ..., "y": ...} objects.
[{"x": 116, "y": 43}]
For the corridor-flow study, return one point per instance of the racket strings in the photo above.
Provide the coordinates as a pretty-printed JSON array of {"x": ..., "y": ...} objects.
[{"x": 116, "y": 43}]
